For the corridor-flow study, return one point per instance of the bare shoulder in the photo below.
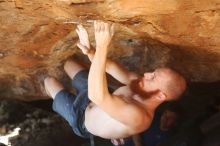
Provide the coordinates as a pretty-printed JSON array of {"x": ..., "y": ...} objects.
[
  {"x": 133, "y": 76},
  {"x": 141, "y": 124},
  {"x": 125, "y": 92}
]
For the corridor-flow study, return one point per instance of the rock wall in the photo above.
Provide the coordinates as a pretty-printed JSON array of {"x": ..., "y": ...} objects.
[{"x": 37, "y": 36}]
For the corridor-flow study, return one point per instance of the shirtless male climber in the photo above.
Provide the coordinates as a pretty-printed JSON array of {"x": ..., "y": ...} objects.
[{"x": 94, "y": 110}]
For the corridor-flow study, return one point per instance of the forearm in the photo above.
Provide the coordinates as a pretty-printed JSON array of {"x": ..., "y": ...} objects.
[
  {"x": 117, "y": 71},
  {"x": 99, "y": 94},
  {"x": 97, "y": 77},
  {"x": 91, "y": 55},
  {"x": 110, "y": 64}
]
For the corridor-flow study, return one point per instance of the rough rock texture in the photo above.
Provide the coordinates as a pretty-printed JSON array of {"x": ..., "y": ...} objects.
[
  {"x": 37, "y": 36},
  {"x": 197, "y": 124},
  {"x": 37, "y": 126}
]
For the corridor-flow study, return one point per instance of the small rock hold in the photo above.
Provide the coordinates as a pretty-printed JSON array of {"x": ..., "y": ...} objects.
[
  {"x": 46, "y": 121},
  {"x": 1, "y": 55},
  {"x": 28, "y": 115},
  {"x": 18, "y": 4},
  {"x": 27, "y": 130},
  {"x": 2, "y": 130}
]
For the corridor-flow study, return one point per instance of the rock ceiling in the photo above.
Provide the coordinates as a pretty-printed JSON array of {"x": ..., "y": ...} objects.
[{"x": 37, "y": 36}]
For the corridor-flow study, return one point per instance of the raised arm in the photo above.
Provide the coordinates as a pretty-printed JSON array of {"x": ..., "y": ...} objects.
[
  {"x": 129, "y": 113},
  {"x": 117, "y": 71}
]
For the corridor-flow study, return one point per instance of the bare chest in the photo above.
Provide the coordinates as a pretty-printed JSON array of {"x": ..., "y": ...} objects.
[
  {"x": 124, "y": 92},
  {"x": 100, "y": 123}
]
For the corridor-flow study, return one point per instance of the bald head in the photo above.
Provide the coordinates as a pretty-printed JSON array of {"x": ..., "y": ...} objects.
[
  {"x": 175, "y": 84},
  {"x": 170, "y": 83}
]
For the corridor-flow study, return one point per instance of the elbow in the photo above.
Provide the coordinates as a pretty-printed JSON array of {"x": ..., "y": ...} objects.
[
  {"x": 96, "y": 98},
  {"x": 92, "y": 96},
  {"x": 139, "y": 127},
  {"x": 140, "y": 124}
]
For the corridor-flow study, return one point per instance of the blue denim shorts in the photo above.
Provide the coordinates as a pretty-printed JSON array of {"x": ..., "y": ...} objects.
[{"x": 72, "y": 107}]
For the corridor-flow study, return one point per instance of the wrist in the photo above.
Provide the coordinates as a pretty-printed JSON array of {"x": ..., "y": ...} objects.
[
  {"x": 100, "y": 53},
  {"x": 101, "y": 47}
]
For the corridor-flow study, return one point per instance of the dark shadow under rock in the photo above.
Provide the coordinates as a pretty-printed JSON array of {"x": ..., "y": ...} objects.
[{"x": 38, "y": 127}]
